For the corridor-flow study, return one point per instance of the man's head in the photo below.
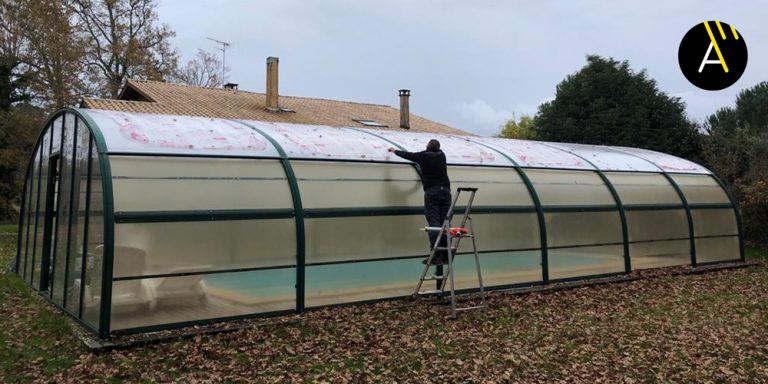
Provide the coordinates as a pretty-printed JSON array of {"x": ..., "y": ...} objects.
[{"x": 433, "y": 145}]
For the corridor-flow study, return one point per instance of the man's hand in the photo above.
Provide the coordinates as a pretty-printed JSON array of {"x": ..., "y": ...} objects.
[{"x": 391, "y": 149}]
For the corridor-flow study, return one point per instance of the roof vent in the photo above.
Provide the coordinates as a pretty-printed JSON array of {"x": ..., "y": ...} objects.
[
  {"x": 232, "y": 86},
  {"x": 405, "y": 114},
  {"x": 370, "y": 123},
  {"x": 272, "y": 93}
]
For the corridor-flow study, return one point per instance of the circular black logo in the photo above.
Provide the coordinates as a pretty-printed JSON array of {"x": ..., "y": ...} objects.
[{"x": 712, "y": 55}]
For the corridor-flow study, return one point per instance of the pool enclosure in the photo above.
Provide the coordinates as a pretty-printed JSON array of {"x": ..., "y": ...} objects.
[{"x": 136, "y": 222}]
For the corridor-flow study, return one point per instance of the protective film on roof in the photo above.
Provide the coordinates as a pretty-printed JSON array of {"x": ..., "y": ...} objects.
[
  {"x": 168, "y": 134},
  {"x": 458, "y": 149},
  {"x": 607, "y": 159},
  {"x": 321, "y": 142},
  {"x": 534, "y": 154},
  {"x": 666, "y": 162}
]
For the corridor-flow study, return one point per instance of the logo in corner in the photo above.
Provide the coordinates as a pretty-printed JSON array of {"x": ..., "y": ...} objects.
[{"x": 712, "y": 55}]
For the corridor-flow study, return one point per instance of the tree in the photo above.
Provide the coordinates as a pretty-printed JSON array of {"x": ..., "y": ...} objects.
[
  {"x": 203, "y": 71},
  {"x": 606, "y": 102},
  {"x": 752, "y": 109},
  {"x": 124, "y": 41},
  {"x": 522, "y": 129}
]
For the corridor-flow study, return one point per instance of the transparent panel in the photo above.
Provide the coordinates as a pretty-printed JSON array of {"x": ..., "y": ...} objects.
[
  {"x": 172, "y": 184},
  {"x": 656, "y": 254},
  {"x": 336, "y": 184},
  {"x": 94, "y": 252},
  {"x": 701, "y": 189},
  {"x": 56, "y": 135},
  {"x": 344, "y": 283},
  {"x": 534, "y": 154},
  {"x": 79, "y": 183},
  {"x": 166, "y": 300},
  {"x": 160, "y": 248},
  {"x": 570, "y": 187},
  {"x": 30, "y": 211},
  {"x": 607, "y": 159},
  {"x": 643, "y": 188},
  {"x": 583, "y": 228},
  {"x": 657, "y": 225},
  {"x": 41, "y": 192},
  {"x": 668, "y": 163},
  {"x": 458, "y": 149},
  {"x": 496, "y": 186},
  {"x": 585, "y": 261},
  {"x": 64, "y": 207},
  {"x": 714, "y": 222},
  {"x": 717, "y": 249},
  {"x": 169, "y": 134},
  {"x": 363, "y": 238}
]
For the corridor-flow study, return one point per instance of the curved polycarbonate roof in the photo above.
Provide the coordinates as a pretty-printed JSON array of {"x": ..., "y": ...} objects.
[
  {"x": 167, "y": 134},
  {"x": 126, "y": 132}
]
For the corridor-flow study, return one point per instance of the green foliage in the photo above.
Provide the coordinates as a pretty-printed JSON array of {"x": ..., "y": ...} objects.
[
  {"x": 19, "y": 127},
  {"x": 12, "y": 82},
  {"x": 522, "y": 129},
  {"x": 752, "y": 109},
  {"x": 607, "y": 103},
  {"x": 753, "y": 198}
]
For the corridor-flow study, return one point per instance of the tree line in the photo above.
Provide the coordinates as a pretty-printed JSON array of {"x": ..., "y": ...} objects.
[
  {"x": 608, "y": 103},
  {"x": 55, "y": 52}
]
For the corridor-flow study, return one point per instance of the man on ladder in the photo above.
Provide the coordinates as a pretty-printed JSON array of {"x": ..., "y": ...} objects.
[{"x": 437, "y": 190}]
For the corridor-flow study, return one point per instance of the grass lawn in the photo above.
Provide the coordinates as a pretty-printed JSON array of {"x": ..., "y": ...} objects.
[{"x": 708, "y": 327}]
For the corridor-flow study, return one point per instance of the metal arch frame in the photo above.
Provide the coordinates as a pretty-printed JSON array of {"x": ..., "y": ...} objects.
[
  {"x": 95, "y": 136},
  {"x": 617, "y": 200},
  {"x": 680, "y": 194},
  {"x": 737, "y": 212},
  {"x": 298, "y": 208},
  {"x": 539, "y": 211}
]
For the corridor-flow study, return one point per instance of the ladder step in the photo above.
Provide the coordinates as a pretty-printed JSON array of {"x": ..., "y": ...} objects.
[
  {"x": 469, "y": 308},
  {"x": 430, "y": 292},
  {"x": 434, "y": 278},
  {"x": 453, "y": 249}
]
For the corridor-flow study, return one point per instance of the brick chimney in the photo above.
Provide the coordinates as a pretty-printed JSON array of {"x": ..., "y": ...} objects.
[
  {"x": 405, "y": 114},
  {"x": 272, "y": 94}
]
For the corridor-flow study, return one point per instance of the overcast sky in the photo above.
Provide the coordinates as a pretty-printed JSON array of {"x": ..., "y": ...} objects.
[{"x": 469, "y": 64}]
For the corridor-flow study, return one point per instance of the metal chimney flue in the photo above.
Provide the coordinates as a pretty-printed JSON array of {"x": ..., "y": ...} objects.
[
  {"x": 405, "y": 114},
  {"x": 272, "y": 94}
]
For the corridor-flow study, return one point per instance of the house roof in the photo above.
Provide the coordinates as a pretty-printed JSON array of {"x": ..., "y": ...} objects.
[{"x": 177, "y": 99}]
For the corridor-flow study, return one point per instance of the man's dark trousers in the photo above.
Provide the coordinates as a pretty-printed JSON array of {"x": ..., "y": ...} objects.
[{"x": 437, "y": 201}]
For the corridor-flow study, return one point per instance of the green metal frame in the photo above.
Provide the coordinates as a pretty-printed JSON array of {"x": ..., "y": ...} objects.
[
  {"x": 72, "y": 212},
  {"x": 86, "y": 224},
  {"x": 201, "y": 215},
  {"x": 299, "y": 216},
  {"x": 680, "y": 194},
  {"x": 737, "y": 212},
  {"x": 616, "y": 199},
  {"x": 539, "y": 211}
]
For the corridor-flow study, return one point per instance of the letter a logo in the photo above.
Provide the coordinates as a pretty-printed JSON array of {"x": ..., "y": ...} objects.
[{"x": 712, "y": 55}]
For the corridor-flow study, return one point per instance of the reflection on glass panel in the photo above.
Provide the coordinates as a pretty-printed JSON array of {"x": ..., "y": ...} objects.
[
  {"x": 657, "y": 225},
  {"x": 173, "y": 184},
  {"x": 557, "y": 187},
  {"x": 166, "y": 300},
  {"x": 362, "y": 238},
  {"x": 496, "y": 186},
  {"x": 333, "y": 185},
  {"x": 583, "y": 228},
  {"x": 714, "y": 222},
  {"x": 79, "y": 182},
  {"x": 64, "y": 207},
  {"x": 159, "y": 248},
  {"x": 41, "y": 192},
  {"x": 717, "y": 249},
  {"x": 701, "y": 189},
  {"x": 656, "y": 254},
  {"x": 585, "y": 261},
  {"x": 30, "y": 208},
  {"x": 643, "y": 188},
  {"x": 94, "y": 248}
]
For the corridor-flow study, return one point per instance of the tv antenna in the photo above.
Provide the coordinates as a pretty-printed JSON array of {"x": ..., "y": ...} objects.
[{"x": 223, "y": 50}]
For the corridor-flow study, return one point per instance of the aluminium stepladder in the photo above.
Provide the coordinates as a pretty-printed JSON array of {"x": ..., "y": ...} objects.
[{"x": 453, "y": 236}]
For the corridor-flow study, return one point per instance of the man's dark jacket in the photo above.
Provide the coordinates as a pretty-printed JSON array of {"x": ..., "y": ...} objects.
[{"x": 434, "y": 172}]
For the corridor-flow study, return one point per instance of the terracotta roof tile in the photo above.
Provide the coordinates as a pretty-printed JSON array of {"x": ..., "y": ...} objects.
[{"x": 177, "y": 99}]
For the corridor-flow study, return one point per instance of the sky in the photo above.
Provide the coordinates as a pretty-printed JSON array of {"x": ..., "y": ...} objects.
[{"x": 469, "y": 64}]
